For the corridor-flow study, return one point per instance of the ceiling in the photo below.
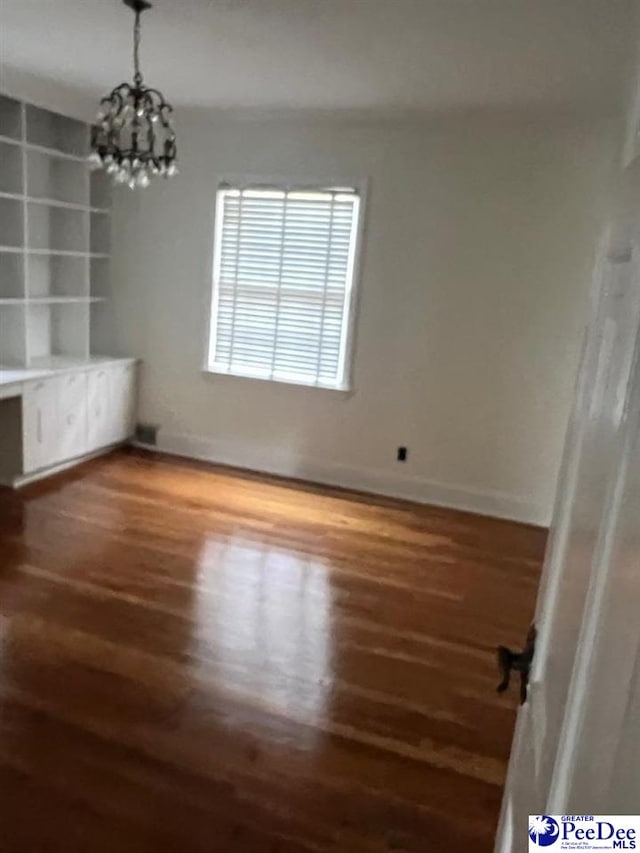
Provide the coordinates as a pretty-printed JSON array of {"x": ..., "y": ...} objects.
[{"x": 376, "y": 56}]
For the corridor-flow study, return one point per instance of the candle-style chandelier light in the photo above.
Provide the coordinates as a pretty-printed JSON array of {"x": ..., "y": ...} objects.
[{"x": 133, "y": 138}]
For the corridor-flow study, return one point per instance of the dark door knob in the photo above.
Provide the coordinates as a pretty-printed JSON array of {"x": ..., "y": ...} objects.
[{"x": 510, "y": 661}]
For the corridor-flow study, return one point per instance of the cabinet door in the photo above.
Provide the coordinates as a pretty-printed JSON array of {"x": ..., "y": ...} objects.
[
  {"x": 98, "y": 431},
  {"x": 72, "y": 415},
  {"x": 121, "y": 402},
  {"x": 39, "y": 424}
]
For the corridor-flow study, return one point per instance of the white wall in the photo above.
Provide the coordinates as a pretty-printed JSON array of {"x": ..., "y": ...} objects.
[{"x": 476, "y": 269}]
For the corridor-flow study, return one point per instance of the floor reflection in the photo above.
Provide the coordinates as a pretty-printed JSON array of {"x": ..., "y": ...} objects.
[{"x": 265, "y": 613}]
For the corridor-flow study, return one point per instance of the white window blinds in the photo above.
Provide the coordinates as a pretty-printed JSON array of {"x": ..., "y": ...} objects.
[{"x": 283, "y": 278}]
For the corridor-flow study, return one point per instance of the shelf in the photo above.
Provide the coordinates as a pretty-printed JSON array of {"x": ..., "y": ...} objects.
[
  {"x": 11, "y": 174},
  {"x": 50, "y": 152},
  {"x": 51, "y": 202},
  {"x": 52, "y": 300},
  {"x": 11, "y": 223},
  {"x": 21, "y": 250},
  {"x": 101, "y": 326},
  {"x": 54, "y": 252},
  {"x": 11, "y": 275},
  {"x": 56, "y": 229},
  {"x": 59, "y": 180},
  {"x": 100, "y": 189},
  {"x": 57, "y": 275},
  {"x": 12, "y": 334},
  {"x": 51, "y": 131},
  {"x": 10, "y": 118},
  {"x": 99, "y": 277},
  {"x": 57, "y": 329},
  {"x": 64, "y": 300},
  {"x": 99, "y": 233}
]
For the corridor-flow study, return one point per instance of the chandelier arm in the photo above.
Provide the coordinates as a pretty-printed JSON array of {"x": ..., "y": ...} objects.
[
  {"x": 162, "y": 103},
  {"x": 121, "y": 90},
  {"x": 115, "y": 99}
]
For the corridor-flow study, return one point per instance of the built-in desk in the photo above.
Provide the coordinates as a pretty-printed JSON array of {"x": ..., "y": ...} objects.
[{"x": 62, "y": 411}]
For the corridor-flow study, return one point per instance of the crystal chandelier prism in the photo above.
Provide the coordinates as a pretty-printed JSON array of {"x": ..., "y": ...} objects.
[{"x": 133, "y": 138}]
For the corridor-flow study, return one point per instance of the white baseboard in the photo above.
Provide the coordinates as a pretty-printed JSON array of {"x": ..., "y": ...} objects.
[
  {"x": 42, "y": 473},
  {"x": 410, "y": 487}
]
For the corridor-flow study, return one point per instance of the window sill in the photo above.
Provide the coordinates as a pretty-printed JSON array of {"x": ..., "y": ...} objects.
[{"x": 344, "y": 390}]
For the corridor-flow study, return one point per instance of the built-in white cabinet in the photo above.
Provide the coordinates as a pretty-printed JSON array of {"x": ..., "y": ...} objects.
[
  {"x": 39, "y": 424},
  {"x": 72, "y": 416},
  {"x": 111, "y": 395},
  {"x": 65, "y": 417},
  {"x": 99, "y": 404},
  {"x": 63, "y": 396}
]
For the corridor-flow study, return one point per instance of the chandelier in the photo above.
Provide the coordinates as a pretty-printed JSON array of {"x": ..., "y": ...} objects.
[{"x": 133, "y": 138}]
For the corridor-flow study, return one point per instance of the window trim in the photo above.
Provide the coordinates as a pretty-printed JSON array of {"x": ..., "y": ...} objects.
[{"x": 288, "y": 183}]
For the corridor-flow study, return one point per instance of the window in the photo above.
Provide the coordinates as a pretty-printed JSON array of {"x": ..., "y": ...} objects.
[{"x": 283, "y": 284}]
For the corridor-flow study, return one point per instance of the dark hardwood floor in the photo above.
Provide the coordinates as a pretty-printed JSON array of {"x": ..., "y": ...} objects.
[{"x": 195, "y": 660}]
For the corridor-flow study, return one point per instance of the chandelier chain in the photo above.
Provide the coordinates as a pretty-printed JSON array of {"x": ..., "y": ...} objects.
[{"x": 137, "y": 77}]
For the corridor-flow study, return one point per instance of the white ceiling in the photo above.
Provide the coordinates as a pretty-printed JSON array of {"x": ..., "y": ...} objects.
[{"x": 364, "y": 55}]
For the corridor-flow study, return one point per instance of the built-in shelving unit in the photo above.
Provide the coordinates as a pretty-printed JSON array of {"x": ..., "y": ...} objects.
[
  {"x": 62, "y": 396},
  {"x": 55, "y": 235}
]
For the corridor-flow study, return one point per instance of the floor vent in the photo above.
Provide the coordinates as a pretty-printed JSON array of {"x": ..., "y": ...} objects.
[{"x": 147, "y": 434}]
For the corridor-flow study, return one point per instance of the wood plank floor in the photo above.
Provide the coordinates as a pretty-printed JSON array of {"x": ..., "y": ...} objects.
[{"x": 194, "y": 660}]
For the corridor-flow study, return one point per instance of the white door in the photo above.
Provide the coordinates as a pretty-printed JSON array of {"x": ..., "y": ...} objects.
[
  {"x": 597, "y": 769},
  {"x": 72, "y": 416},
  {"x": 39, "y": 424},
  {"x": 98, "y": 418},
  {"x": 570, "y": 730}
]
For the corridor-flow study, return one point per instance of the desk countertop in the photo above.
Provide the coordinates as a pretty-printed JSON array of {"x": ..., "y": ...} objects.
[{"x": 54, "y": 367}]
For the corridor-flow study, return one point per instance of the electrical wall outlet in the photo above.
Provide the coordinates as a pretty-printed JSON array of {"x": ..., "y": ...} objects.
[{"x": 402, "y": 454}]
